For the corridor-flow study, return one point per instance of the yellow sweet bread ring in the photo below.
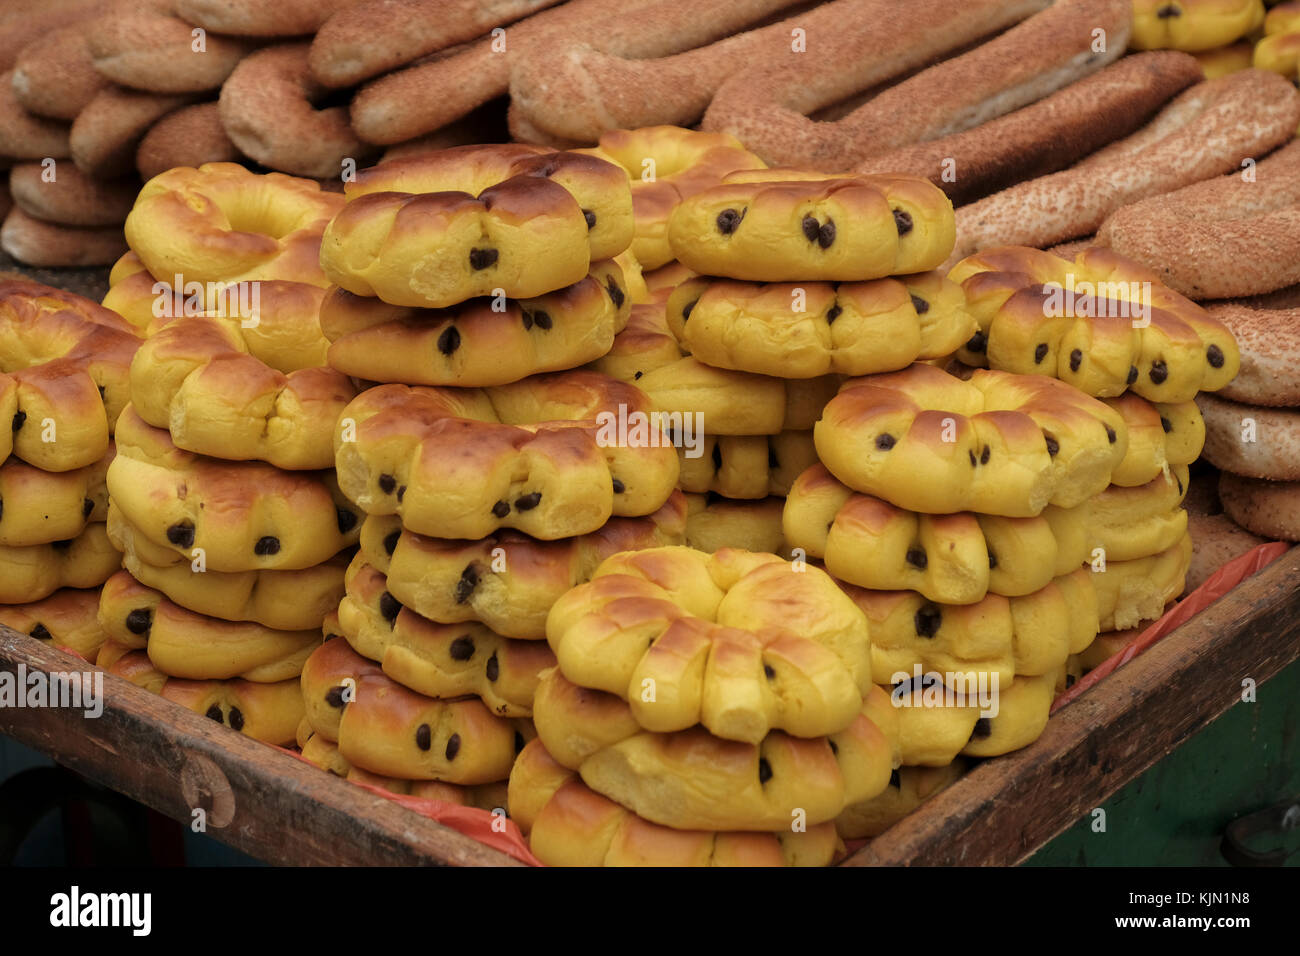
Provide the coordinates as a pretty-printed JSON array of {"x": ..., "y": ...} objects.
[
  {"x": 64, "y": 364},
  {"x": 1129, "y": 592},
  {"x": 714, "y": 522},
  {"x": 194, "y": 646},
  {"x": 1029, "y": 635},
  {"x": 383, "y": 727},
  {"x": 665, "y": 165},
  {"x": 954, "y": 558},
  {"x": 507, "y": 580},
  {"x": 439, "y": 660},
  {"x": 245, "y": 387},
  {"x": 833, "y": 230},
  {"x": 480, "y": 342},
  {"x": 1279, "y": 53},
  {"x": 909, "y": 787},
  {"x": 691, "y": 780},
  {"x": 244, "y": 516},
  {"x": 747, "y": 466},
  {"x": 712, "y": 636},
  {"x": 36, "y": 571},
  {"x": 534, "y": 456},
  {"x": 1192, "y": 24},
  {"x": 1129, "y": 523},
  {"x": 436, "y": 229},
  {"x": 803, "y": 330},
  {"x": 648, "y": 354},
  {"x": 1160, "y": 434},
  {"x": 38, "y": 507},
  {"x": 1029, "y": 324},
  {"x": 1283, "y": 18},
  {"x": 67, "y": 618},
  {"x": 998, "y": 444},
  {"x": 569, "y": 824}
]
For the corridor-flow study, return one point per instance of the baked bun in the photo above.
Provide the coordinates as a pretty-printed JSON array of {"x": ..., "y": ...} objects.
[
  {"x": 722, "y": 651},
  {"x": 141, "y": 44},
  {"x": 382, "y": 727},
  {"x": 1132, "y": 591},
  {"x": 999, "y": 443},
  {"x": 222, "y": 223},
  {"x": 190, "y": 136},
  {"x": 479, "y": 342},
  {"x": 746, "y": 466},
  {"x": 184, "y": 644},
  {"x": 241, "y": 516},
  {"x": 954, "y": 558},
  {"x": 804, "y": 330},
  {"x": 1129, "y": 523},
  {"x": 1160, "y": 434},
  {"x": 441, "y": 661},
  {"x": 507, "y": 580},
  {"x": 1193, "y": 24},
  {"x": 1029, "y": 635},
  {"x": 1023, "y": 708},
  {"x": 691, "y": 780},
  {"x": 36, "y": 571},
  {"x": 34, "y": 242},
  {"x": 519, "y": 219},
  {"x": 932, "y": 730},
  {"x": 72, "y": 198},
  {"x": 649, "y": 355},
  {"x": 1216, "y": 540},
  {"x": 909, "y": 787},
  {"x": 67, "y": 361},
  {"x": 534, "y": 455},
  {"x": 1268, "y": 508},
  {"x": 55, "y": 75},
  {"x": 665, "y": 165},
  {"x": 714, "y": 523},
  {"x": 833, "y": 230},
  {"x": 66, "y": 618},
  {"x": 1035, "y": 317},
  {"x": 39, "y": 507},
  {"x": 569, "y": 824},
  {"x": 245, "y": 381},
  {"x": 1269, "y": 340},
  {"x": 1249, "y": 441}
]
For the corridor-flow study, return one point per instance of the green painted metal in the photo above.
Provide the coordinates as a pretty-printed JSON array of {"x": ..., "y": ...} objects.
[{"x": 1175, "y": 813}]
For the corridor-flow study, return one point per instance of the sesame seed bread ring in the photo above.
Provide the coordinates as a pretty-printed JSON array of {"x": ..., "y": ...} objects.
[
  {"x": 66, "y": 618},
  {"x": 441, "y": 661},
  {"x": 506, "y": 580},
  {"x": 22, "y": 24},
  {"x": 529, "y": 456},
  {"x": 1159, "y": 435},
  {"x": 834, "y": 230},
  {"x": 244, "y": 516},
  {"x": 647, "y": 353},
  {"x": 691, "y": 780},
  {"x": 999, "y": 444},
  {"x": 268, "y": 110},
  {"x": 38, "y": 507},
  {"x": 1278, "y": 53},
  {"x": 1268, "y": 340},
  {"x": 949, "y": 558},
  {"x": 190, "y": 136},
  {"x": 1267, "y": 508},
  {"x": 1132, "y": 591},
  {"x": 909, "y": 787},
  {"x": 266, "y": 712},
  {"x": 569, "y": 824},
  {"x": 1035, "y": 313},
  {"x": 35, "y": 242},
  {"x": 479, "y": 342},
  {"x": 55, "y": 75},
  {"x": 1193, "y": 24},
  {"x": 142, "y": 45},
  {"x": 194, "y": 646},
  {"x": 73, "y": 198},
  {"x": 387, "y": 729},
  {"x": 747, "y": 466},
  {"x": 519, "y": 219},
  {"x": 258, "y": 19},
  {"x": 804, "y": 330},
  {"x": 64, "y": 375},
  {"x": 24, "y": 135},
  {"x": 36, "y": 571},
  {"x": 680, "y": 163},
  {"x": 714, "y": 523},
  {"x": 719, "y": 651},
  {"x": 1130, "y": 523},
  {"x": 1023, "y": 708},
  {"x": 239, "y": 392},
  {"x": 221, "y": 222},
  {"x": 1216, "y": 540},
  {"x": 106, "y": 134},
  {"x": 1255, "y": 442},
  {"x": 1027, "y": 635},
  {"x": 283, "y": 600}
]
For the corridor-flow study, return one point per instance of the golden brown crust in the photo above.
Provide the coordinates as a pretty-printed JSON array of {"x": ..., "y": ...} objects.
[
  {"x": 258, "y": 19},
  {"x": 1269, "y": 342},
  {"x": 72, "y": 198},
  {"x": 106, "y": 134},
  {"x": 35, "y": 242},
  {"x": 55, "y": 76},
  {"x": 34, "y": 572},
  {"x": 190, "y": 136},
  {"x": 37, "y": 507},
  {"x": 66, "y": 619},
  {"x": 140, "y": 44},
  {"x": 1256, "y": 442}
]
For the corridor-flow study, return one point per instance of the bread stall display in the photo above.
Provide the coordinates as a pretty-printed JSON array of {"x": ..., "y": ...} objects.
[{"x": 648, "y": 434}]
